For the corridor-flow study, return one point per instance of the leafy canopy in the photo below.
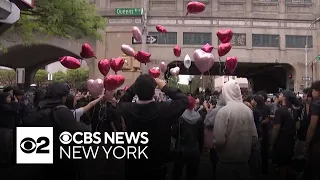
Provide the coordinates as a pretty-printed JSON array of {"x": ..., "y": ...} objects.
[{"x": 63, "y": 18}]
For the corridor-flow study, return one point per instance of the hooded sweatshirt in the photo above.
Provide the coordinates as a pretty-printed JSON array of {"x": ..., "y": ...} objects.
[
  {"x": 211, "y": 116},
  {"x": 191, "y": 136},
  {"x": 234, "y": 127}
]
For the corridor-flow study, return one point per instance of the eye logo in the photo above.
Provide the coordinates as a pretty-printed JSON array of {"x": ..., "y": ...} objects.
[
  {"x": 65, "y": 137},
  {"x": 28, "y": 145}
]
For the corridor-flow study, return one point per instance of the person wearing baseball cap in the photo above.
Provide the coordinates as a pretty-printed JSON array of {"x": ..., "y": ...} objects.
[{"x": 283, "y": 133}]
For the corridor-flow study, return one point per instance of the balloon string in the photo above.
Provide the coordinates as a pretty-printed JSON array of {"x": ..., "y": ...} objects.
[{"x": 220, "y": 66}]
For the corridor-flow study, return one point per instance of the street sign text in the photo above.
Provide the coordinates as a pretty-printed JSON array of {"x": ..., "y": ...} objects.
[{"x": 129, "y": 11}]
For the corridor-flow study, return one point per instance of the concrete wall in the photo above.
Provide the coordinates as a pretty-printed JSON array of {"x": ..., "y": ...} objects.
[{"x": 243, "y": 16}]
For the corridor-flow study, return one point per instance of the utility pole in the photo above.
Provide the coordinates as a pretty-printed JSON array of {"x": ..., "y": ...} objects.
[
  {"x": 306, "y": 51},
  {"x": 144, "y": 47}
]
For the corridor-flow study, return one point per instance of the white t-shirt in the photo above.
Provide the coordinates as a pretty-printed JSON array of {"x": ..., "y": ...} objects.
[{"x": 77, "y": 113}]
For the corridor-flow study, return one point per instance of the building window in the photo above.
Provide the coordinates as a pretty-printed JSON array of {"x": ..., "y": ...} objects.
[
  {"x": 237, "y": 40},
  {"x": 299, "y": 1},
  {"x": 265, "y": 40},
  {"x": 165, "y": 38},
  {"x": 266, "y": 0},
  {"x": 191, "y": 38},
  {"x": 298, "y": 41}
]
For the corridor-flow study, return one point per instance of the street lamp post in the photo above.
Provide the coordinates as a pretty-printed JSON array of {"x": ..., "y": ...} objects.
[
  {"x": 144, "y": 46},
  {"x": 306, "y": 52}
]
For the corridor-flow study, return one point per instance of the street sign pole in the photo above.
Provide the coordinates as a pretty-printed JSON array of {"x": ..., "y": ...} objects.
[{"x": 144, "y": 47}]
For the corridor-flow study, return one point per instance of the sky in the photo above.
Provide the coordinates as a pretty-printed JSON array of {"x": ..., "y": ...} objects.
[{"x": 184, "y": 79}]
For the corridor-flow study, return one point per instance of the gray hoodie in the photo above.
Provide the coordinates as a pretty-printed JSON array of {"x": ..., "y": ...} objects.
[{"x": 234, "y": 127}]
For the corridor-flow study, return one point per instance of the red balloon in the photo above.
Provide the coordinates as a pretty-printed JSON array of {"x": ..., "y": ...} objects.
[
  {"x": 70, "y": 62},
  {"x": 225, "y": 35},
  {"x": 143, "y": 57},
  {"x": 87, "y": 51},
  {"x": 224, "y": 49},
  {"x": 104, "y": 66},
  {"x": 195, "y": 7},
  {"x": 231, "y": 63},
  {"x": 161, "y": 29},
  {"x": 112, "y": 82},
  {"x": 116, "y": 64},
  {"x": 126, "y": 88},
  {"x": 154, "y": 72},
  {"x": 177, "y": 51},
  {"x": 207, "y": 48}
]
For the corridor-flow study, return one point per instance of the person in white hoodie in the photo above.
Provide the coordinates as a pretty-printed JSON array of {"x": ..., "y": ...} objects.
[{"x": 235, "y": 133}]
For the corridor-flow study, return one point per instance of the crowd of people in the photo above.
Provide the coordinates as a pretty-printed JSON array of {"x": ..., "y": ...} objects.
[{"x": 243, "y": 133}]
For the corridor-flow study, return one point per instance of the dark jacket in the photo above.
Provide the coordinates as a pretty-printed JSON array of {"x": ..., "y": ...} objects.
[
  {"x": 63, "y": 121},
  {"x": 8, "y": 113},
  {"x": 189, "y": 133},
  {"x": 156, "y": 118}
]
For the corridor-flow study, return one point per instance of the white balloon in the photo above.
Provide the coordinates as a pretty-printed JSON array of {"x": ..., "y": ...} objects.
[{"x": 187, "y": 61}]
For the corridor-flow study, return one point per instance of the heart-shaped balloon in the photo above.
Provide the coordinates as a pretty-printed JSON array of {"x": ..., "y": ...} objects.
[
  {"x": 127, "y": 50},
  {"x": 87, "y": 51},
  {"x": 104, "y": 66},
  {"x": 195, "y": 7},
  {"x": 175, "y": 71},
  {"x": 116, "y": 64},
  {"x": 112, "y": 82},
  {"x": 231, "y": 63},
  {"x": 95, "y": 87},
  {"x": 225, "y": 36},
  {"x": 136, "y": 33},
  {"x": 161, "y": 29},
  {"x": 163, "y": 67},
  {"x": 154, "y": 72},
  {"x": 207, "y": 48},
  {"x": 142, "y": 57},
  {"x": 70, "y": 62},
  {"x": 126, "y": 88},
  {"x": 187, "y": 61},
  {"x": 177, "y": 51},
  {"x": 204, "y": 61},
  {"x": 224, "y": 49}
]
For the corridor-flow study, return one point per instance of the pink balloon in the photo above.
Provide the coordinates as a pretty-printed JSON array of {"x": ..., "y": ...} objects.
[
  {"x": 204, "y": 61},
  {"x": 87, "y": 51},
  {"x": 136, "y": 33},
  {"x": 225, "y": 36},
  {"x": 175, "y": 71},
  {"x": 177, "y": 51},
  {"x": 70, "y": 62},
  {"x": 95, "y": 87},
  {"x": 231, "y": 63},
  {"x": 116, "y": 64},
  {"x": 104, "y": 66},
  {"x": 142, "y": 57},
  {"x": 207, "y": 48},
  {"x": 112, "y": 82},
  {"x": 163, "y": 67},
  {"x": 161, "y": 29},
  {"x": 128, "y": 50},
  {"x": 224, "y": 49},
  {"x": 195, "y": 7},
  {"x": 154, "y": 72}
]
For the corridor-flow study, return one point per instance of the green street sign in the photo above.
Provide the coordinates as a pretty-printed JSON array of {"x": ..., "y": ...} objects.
[
  {"x": 319, "y": 58},
  {"x": 129, "y": 11}
]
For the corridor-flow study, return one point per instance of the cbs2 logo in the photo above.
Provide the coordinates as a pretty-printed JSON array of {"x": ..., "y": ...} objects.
[{"x": 29, "y": 145}]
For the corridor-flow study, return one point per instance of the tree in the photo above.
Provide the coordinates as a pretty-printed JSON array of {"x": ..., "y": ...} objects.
[
  {"x": 63, "y": 18},
  {"x": 7, "y": 77},
  {"x": 41, "y": 76},
  {"x": 174, "y": 82},
  {"x": 59, "y": 76},
  {"x": 78, "y": 76}
]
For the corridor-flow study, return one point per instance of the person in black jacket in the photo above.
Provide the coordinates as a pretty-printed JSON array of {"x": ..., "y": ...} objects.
[
  {"x": 190, "y": 133},
  {"x": 156, "y": 118}
]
